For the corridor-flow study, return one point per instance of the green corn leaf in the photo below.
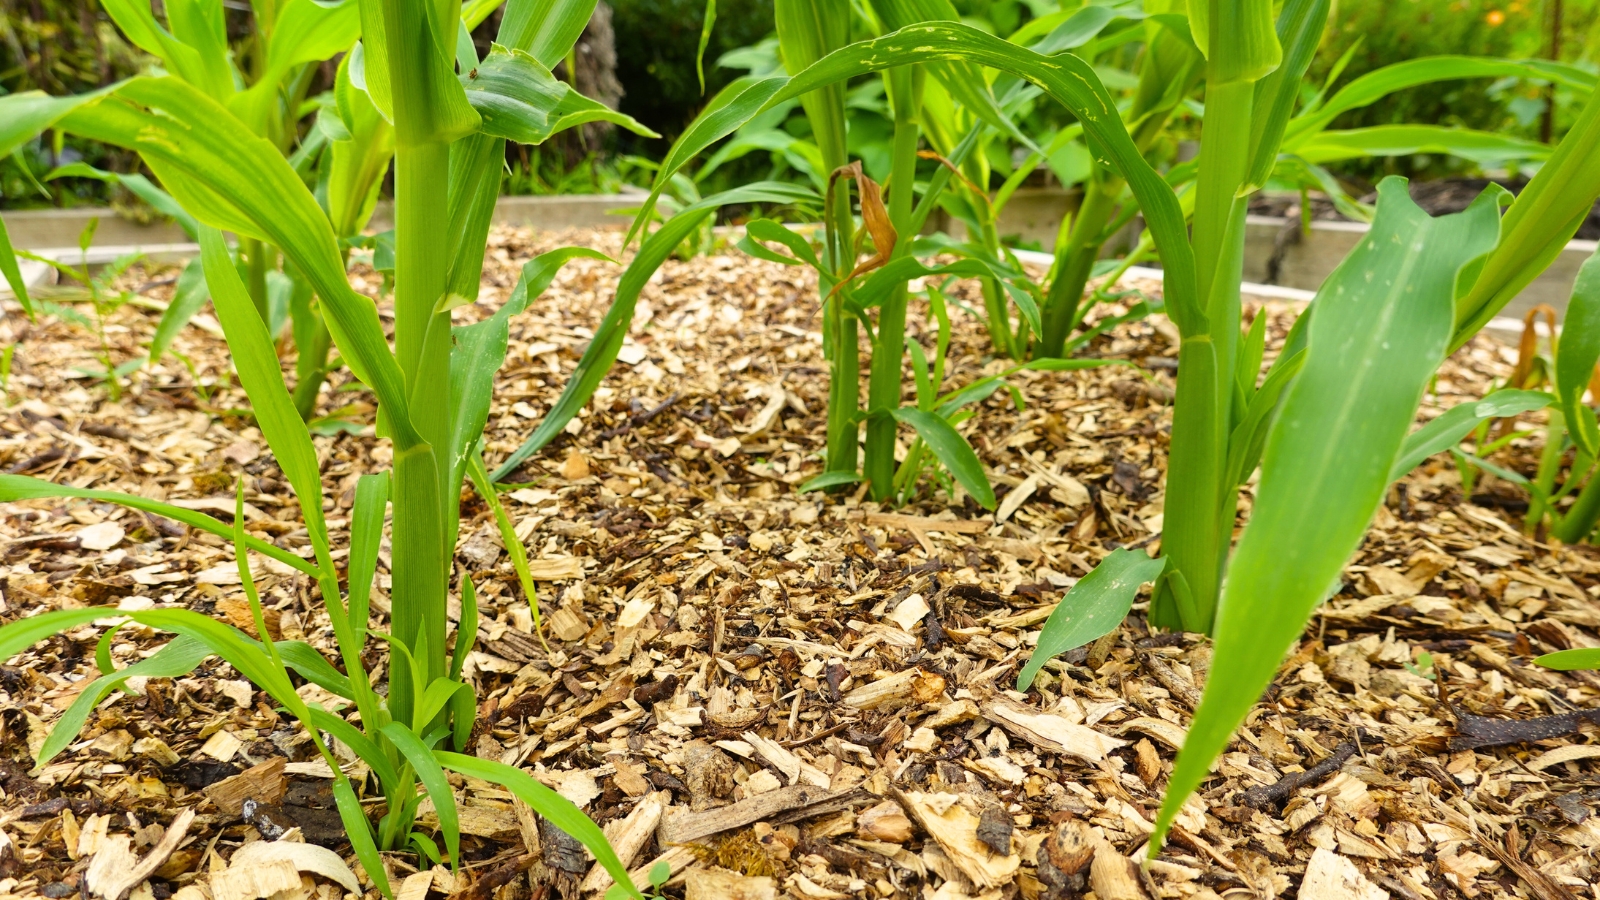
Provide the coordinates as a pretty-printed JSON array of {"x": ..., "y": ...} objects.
[
  {"x": 188, "y": 297},
  {"x": 1241, "y": 44},
  {"x": 1579, "y": 350},
  {"x": 464, "y": 711},
  {"x": 409, "y": 71},
  {"x": 233, "y": 180},
  {"x": 1538, "y": 225},
  {"x": 508, "y": 537},
  {"x": 303, "y": 31},
  {"x": 1481, "y": 147},
  {"x": 1569, "y": 660},
  {"x": 1379, "y": 83},
  {"x": 366, "y": 536},
  {"x": 1067, "y": 79},
  {"x": 556, "y": 809},
  {"x": 432, "y": 778},
  {"x": 1092, "y": 607},
  {"x": 768, "y": 230},
  {"x": 952, "y": 450},
  {"x": 22, "y": 487},
  {"x": 519, "y": 100},
  {"x": 1383, "y": 320},
  {"x": 963, "y": 80},
  {"x": 177, "y": 658},
  {"x": 602, "y": 352},
  {"x": 1452, "y": 427},
  {"x": 829, "y": 480},
  {"x": 436, "y": 698},
  {"x": 706, "y": 24},
  {"x": 1250, "y": 435},
  {"x": 314, "y": 667},
  {"x": 256, "y": 361},
  {"x": 480, "y": 350},
  {"x": 12, "y": 272},
  {"x": 359, "y": 162},
  {"x": 467, "y": 630},
  {"x": 365, "y": 747},
  {"x": 139, "y": 186},
  {"x": 200, "y": 27},
  {"x": 359, "y": 830},
  {"x": 1250, "y": 353},
  {"x": 1300, "y": 28},
  {"x": 545, "y": 28}
]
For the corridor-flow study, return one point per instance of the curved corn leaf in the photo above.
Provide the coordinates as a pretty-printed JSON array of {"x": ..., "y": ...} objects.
[
  {"x": 432, "y": 777},
  {"x": 256, "y": 360},
  {"x": 22, "y": 487},
  {"x": 1250, "y": 435},
  {"x": 1452, "y": 426},
  {"x": 234, "y": 180},
  {"x": 1092, "y": 607},
  {"x": 364, "y": 747},
  {"x": 952, "y": 450},
  {"x": 828, "y": 480},
  {"x": 1067, "y": 79},
  {"x": 178, "y": 657},
  {"x": 480, "y": 350},
  {"x": 1300, "y": 28},
  {"x": 1382, "y": 322},
  {"x": 359, "y": 830},
  {"x": 556, "y": 809},
  {"x": 1568, "y": 660},
  {"x": 188, "y": 296},
  {"x": 545, "y": 28},
  {"x": 1538, "y": 225},
  {"x": 1406, "y": 140},
  {"x": 1578, "y": 352},
  {"x": 602, "y": 352},
  {"x": 139, "y": 186},
  {"x": 1378, "y": 83},
  {"x": 519, "y": 100}
]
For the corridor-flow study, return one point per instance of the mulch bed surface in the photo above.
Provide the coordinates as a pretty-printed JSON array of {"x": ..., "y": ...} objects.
[{"x": 795, "y": 694}]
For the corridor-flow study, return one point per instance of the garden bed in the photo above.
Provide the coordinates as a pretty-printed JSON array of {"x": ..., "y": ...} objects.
[{"x": 809, "y": 689}]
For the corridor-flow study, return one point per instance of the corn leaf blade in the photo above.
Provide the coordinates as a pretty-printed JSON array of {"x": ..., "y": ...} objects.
[{"x": 1092, "y": 607}]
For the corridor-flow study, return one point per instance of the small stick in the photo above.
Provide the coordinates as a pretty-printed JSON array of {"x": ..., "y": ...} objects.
[{"x": 1274, "y": 794}]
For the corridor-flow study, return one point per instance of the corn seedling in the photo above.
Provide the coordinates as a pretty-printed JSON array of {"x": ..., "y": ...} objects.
[
  {"x": 104, "y": 299},
  {"x": 449, "y": 112},
  {"x": 1571, "y": 509}
]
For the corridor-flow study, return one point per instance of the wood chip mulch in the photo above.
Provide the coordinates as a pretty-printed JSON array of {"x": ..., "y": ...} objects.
[{"x": 782, "y": 694}]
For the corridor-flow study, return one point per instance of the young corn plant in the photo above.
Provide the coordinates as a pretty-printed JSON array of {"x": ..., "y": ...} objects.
[
  {"x": 1329, "y": 424},
  {"x": 448, "y": 111},
  {"x": 1569, "y": 510}
]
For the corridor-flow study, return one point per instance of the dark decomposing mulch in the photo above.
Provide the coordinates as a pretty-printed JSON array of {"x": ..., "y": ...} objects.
[{"x": 791, "y": 694}]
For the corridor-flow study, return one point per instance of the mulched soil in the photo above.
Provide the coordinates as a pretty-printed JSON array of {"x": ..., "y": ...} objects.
[{"x": 785, "y": 694}]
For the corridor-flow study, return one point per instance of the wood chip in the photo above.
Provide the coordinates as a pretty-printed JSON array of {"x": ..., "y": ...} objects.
[
  {"x": 955, "y": 828},
  {"x": 264, "y": 783},
  {"x": 679, "y": 826},
  {"x": 627, "y": 837},
  {"x": 1050, "y": 731},
  {"x": 1330, "y": 876},
  {"x": 115, "y": 870}
]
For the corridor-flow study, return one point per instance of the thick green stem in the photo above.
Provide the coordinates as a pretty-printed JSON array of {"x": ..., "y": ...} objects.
[
  {"x": 312, "y": 342},
  {"x": 255, "y": 253},
  {"x": 1200, "y": 505},
  {"x": 1074, "y": 264},
  {"x": 884, "y": 384},
  {"x": 422, "y": 346}
]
